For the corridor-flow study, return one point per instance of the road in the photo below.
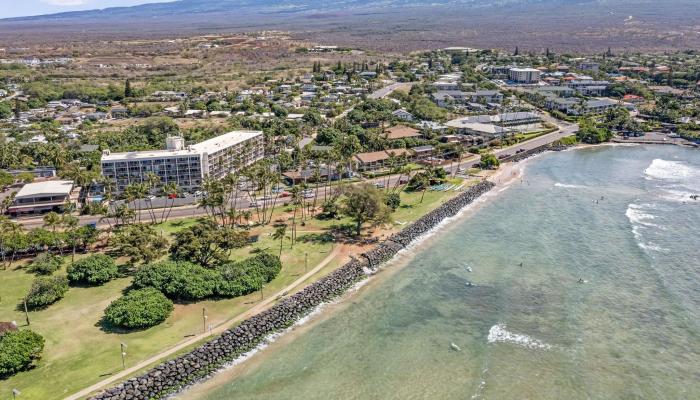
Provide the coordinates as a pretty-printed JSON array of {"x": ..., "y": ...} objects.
[
  {"x": 387, "y": 90},
  {"x": 214, "y": 332},
  {"x": 192, "y": 210}
]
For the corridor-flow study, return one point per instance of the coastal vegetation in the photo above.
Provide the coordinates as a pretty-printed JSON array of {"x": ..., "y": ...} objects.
[{"x": 19, "y": 350}]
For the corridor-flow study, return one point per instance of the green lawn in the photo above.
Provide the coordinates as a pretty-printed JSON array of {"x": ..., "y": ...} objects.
[{"x": 78, "y": 353}]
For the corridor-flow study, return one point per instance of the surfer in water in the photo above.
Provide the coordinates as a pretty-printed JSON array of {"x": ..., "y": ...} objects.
[
  {"x": 580, "y": 280},
  {"x": 521, "y": 264}
]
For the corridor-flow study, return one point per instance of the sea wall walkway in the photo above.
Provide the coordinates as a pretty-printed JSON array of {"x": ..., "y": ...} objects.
[{"x": 172, "y": 376}]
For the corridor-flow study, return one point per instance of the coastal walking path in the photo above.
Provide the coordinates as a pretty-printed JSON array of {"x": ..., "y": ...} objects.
[{"x": 339, "y": 249}]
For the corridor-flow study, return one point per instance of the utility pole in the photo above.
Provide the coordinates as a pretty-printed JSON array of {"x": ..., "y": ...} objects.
[
  {"x": 123, "y": 347},
  {"x": 26, "y": 311}
]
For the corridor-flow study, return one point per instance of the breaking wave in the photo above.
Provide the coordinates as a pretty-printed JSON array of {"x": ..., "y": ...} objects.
[
  {"x": 499, "y": 334},
  {"x": 675, "y": 171},
  {"x": 567, "y": 186}
]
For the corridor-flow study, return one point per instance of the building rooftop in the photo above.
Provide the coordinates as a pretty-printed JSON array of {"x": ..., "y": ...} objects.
[
  {"x": 401, "y": 132},
  {"x": 48, "y": 188},
  {"x": 208, "y": 146}
]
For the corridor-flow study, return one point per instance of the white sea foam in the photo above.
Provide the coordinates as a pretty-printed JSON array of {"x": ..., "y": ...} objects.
[
  {"x": 499, "y": 334},
  {"x": 675, "y": 171},
  {"x": 638, "y": 214},
  {"x": 639, "y": 217},
  {"x": 567, "y": 186}
]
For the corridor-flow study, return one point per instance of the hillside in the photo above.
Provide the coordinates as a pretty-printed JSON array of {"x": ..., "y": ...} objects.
[{"x": 389, "y": 24}]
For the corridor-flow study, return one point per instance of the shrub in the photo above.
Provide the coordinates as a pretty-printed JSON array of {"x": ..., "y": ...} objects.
[
  {"x": 46, "y": 290},
  {"x": 93, "y": 270},
  {"x": 178, "y": 280},
  {"x": 18, "y": 350},
  {"x": 247, "y": 276},
  {"x": 46, "y": 264},
  {"x": 141, "y": 308}
]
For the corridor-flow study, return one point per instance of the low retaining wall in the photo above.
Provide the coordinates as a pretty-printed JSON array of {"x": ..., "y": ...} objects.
[
  {"x": 174, "y": 375},
  {"x": 537, "y": 150}
]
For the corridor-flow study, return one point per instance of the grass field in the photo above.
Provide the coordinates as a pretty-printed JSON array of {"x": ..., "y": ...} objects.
[{"x": 79, "y": 353}]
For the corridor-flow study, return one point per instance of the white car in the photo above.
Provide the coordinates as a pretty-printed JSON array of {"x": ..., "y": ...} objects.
[{"x": 150, "y": 197}]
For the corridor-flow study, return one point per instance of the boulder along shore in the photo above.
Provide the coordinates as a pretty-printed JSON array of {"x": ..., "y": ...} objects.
[{"x": 174, "y": 375}]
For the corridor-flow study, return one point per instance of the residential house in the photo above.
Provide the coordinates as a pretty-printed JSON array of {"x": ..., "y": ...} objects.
[
  {"x": 403, "y": 115},
  {"x": 401, "y": 132}
]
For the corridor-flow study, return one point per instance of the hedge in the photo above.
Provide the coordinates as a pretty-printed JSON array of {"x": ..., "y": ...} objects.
[
  {"x": 19, "y": 350},
  {"x": 140, "y": 308},
  {"x": 46, "y": 291},
  {"x": 93, "y": 270}
]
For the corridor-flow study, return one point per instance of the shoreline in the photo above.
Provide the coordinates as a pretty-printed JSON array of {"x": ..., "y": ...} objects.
[
  {"x": 172, "y": 376},
  {"x": 504, "y": 178}
]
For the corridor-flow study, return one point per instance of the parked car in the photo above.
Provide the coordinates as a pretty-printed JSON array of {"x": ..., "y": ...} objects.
[{"x": 379, "y": 185}]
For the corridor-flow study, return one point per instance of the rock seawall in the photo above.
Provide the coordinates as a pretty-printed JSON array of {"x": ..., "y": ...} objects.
[{"x": 171, "y": 376}]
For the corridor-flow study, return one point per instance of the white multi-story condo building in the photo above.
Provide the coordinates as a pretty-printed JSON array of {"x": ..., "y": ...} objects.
[
  {"x": 524, "y": 75},
  {"x": 185, "y": 166}
]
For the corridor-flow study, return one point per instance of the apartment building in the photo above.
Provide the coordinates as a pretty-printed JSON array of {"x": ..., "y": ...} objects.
[
  {"x": 185, "y": 166},
  {"x": 524, "y": 75}
]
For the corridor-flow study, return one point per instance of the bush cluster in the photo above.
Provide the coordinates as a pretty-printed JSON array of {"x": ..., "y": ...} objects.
[
  {"x": 181, "y": 280},
  {"x": 46, "y": 290},
  {"x": 93, "y": 270},
  {"x": 46, "y": 264},
  {"x": 18, "y": 350},
  {"x": 140, "y": 308}
]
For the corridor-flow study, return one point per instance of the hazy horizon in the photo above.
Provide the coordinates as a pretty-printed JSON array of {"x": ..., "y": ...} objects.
[{"x": 29, "y": 8}]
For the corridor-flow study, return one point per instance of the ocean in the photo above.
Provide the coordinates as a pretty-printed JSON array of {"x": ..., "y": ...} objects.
[{"x": 582, "y": 281}]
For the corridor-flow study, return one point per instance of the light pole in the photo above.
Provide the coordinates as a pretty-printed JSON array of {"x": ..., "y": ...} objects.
[
  {"x": 15, "y": 393},
  {"x": 123, "y": 347},
  {"x": 262, "y": 295},
  {"x": 26, "y": 311},
  {"x": 204, "y": 318}
]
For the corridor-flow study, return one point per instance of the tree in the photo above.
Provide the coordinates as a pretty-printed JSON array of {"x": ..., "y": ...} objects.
[
  {"x": 489, "y": 161},
  {"x": 139, "y": 309},
  {"x": 46, "y": 291},
  {"x": 206, "y": 243},
  {"x": 95, "y": 270},
  {"x": 52, "y": 220},
  {"x": 128, "y": 92},
  {"x": 6, "y": 179},
  {"x": 139, "y": 243},
  {"x": 179, "y": 280},
  {"x": 392, "y": 200},
  {"x": 589, "y": 132},
  {"x": 279, "y": 234},
  {"x": 19, "y": 350},
  {"x": 364, "y": 203},
  {"x": 46, "y": 264}
]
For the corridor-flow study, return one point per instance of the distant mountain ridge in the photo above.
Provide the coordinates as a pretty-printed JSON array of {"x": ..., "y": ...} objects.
[
  {"x": 182, "y": 7},
  {"x": 388, "y": 24}
]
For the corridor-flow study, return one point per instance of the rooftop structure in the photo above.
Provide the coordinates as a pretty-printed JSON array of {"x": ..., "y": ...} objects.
[
  {"x": 42, "y": 197},
  {"x": 185, "y": 166}
]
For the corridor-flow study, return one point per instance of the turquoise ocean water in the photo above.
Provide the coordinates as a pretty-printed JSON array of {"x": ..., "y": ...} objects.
[{"x": 619, "y": 218}]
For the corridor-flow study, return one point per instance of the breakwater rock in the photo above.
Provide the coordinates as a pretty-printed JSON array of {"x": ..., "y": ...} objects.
[{"x": 172, "y": 376}]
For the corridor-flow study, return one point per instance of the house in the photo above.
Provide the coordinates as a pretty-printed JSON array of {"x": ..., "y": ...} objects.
[
  {"x": 42, "y": 197},
  {"x": 589, "y": 66},
  {"x": 220, "y": 114},
  {"x": 309, "y": 175},
  {"x": 403, "y": 115},
  {"x": 448, "y": 97},
  {"x": 368, "y": 74},
  {"x": 38, "y": 139},
  {"x": 444, "y": 86},
  {"x": 422, "y": 152},
  {"x": 119, "y": 112},
  {"x": 195, "y": 114},
  {"x": 379, "y": 159},
  {"x": 589, "y": 87},
  {"x": 401, "y": 132},
  {"x": 96, "y": 116},
  {"x": 634, "y": 99},
  {"x": 485, "y": 96}
]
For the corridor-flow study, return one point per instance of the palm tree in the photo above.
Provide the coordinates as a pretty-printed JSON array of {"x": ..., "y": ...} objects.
[
  {"x": 280, "y": 233},
  {"x": 71, "y": 224},
  {"x": 152, "y": 182},
  {"x": 171, "y": 191},
  {"x": 52, "y": 220}
]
